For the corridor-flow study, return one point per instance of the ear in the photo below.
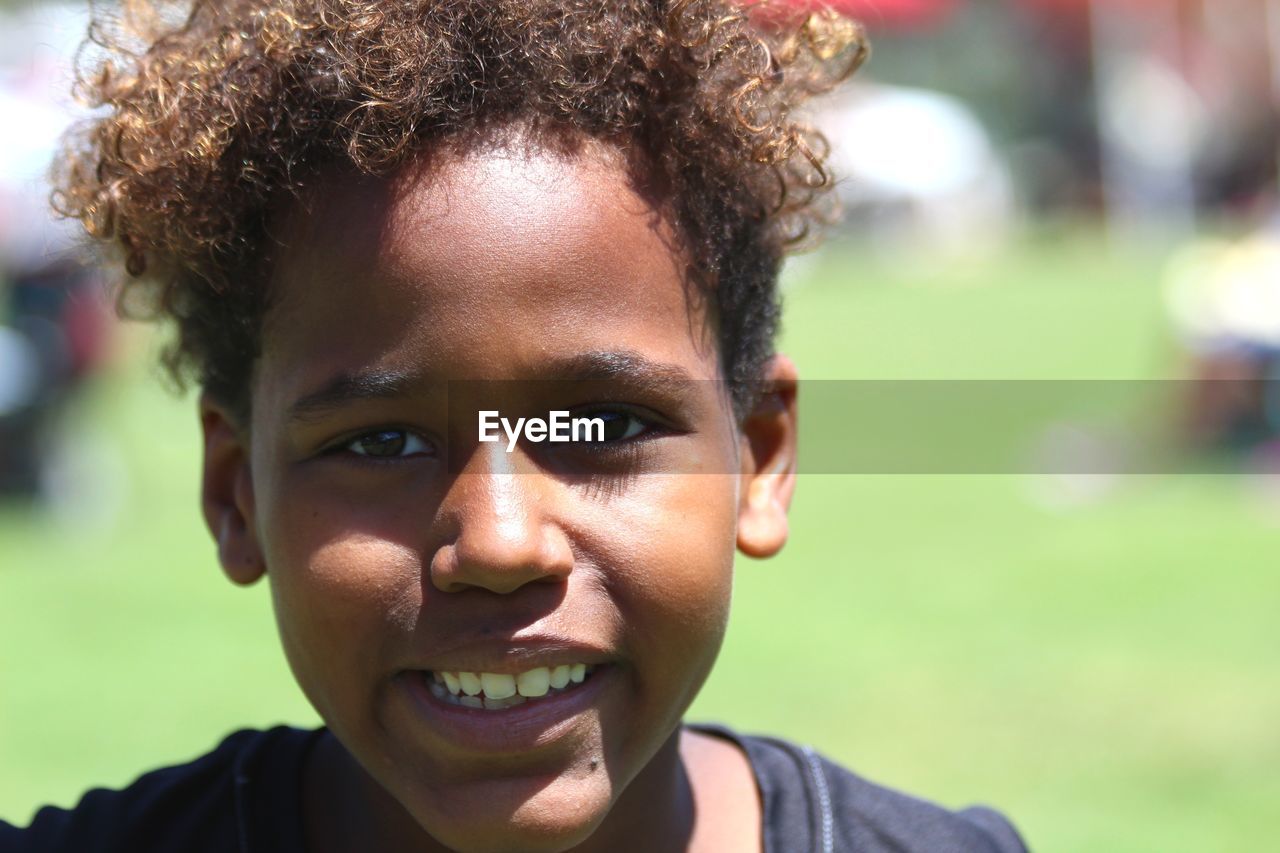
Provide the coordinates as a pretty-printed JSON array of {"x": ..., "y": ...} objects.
[
  {"x": 226, "y": 494},
  {"x": 769, "y": 463}
]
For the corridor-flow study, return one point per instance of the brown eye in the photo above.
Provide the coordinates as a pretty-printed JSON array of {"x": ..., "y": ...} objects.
[
  {"x": 620, "y": 425},
  {"x": 388, "y": 444},
  {"x": 615, "y": 425}
]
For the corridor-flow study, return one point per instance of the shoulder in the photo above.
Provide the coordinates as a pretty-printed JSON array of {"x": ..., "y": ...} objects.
[
  {"x": 202, "y": 805},
  {"x": 811, "y": 803}
]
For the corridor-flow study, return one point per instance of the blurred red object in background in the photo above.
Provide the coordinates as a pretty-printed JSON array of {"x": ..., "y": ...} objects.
[{"x": 1082, "y": 5}]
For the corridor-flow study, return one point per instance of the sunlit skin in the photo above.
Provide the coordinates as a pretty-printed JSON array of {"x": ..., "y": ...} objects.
[{"x": 421, "y": 549}]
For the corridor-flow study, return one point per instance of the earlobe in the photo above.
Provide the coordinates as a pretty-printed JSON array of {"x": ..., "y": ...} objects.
[
  {"x": 769, "y": 463},
  {"x": 226, "y": 495}
]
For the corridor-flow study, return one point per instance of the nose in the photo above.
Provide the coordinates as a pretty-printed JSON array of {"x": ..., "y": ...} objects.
[{"x": 503, "y": 534}]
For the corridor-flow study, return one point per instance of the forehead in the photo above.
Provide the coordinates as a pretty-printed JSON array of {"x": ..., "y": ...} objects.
[{"x": 479, "y": 265}]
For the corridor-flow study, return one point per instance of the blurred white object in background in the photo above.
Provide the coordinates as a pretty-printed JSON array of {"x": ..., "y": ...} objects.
[
  {"x": 1224, "y": 300},
  {"x": 917, "y": 163},
  {"x": 1153, "y": 127},
  {"x": 54, "y": 324},
  {"x": 37, "y": 46},
  {"x": 1225, "y": 295}
]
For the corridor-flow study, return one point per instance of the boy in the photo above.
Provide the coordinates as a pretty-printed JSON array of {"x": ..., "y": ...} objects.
[{"x": 376, "y": 224}]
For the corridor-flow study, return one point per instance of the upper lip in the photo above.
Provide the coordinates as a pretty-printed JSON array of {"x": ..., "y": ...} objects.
[{"x": 514, "y": 655}]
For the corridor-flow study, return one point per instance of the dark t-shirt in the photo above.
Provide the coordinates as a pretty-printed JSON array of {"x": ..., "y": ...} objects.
[{"x": 244, "y": 798}]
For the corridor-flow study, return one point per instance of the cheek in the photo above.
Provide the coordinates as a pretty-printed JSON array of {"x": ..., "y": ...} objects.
[
  {"x": 341, "y": 592},
  {"x": 687, "y": 521},
  {"x": 346, "y": 553},
  {"x": 673, "y": 566}
]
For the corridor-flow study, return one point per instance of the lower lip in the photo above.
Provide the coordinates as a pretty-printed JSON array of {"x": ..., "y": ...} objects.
[{"x": 534, "y": 724}]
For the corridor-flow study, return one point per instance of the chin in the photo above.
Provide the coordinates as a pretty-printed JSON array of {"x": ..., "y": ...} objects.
[
  {"x": 512, "y": 838},
  {"x": 518, "y": 816}
]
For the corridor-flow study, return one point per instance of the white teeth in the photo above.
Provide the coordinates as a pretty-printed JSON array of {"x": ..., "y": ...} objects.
[
  {"x": 497, "y": 690},
  {"x": 498, "y": 685},
  {"x": 470, "y": 683},
  {"x": 535, "y": 682}
]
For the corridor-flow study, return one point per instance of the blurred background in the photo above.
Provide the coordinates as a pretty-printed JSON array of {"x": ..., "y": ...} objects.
[{"x": 1034, "y": 190}]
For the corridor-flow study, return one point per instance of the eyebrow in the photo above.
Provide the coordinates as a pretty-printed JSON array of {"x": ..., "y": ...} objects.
[
  {"x": 354, "y": 387},
  {"x": 346, "y": 388},
  {"x": 618, "y": 364}
]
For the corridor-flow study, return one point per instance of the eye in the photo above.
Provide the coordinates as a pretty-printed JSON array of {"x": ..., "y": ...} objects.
[
  {"x": 388, "y": 444},
  {"x": 619, "y": 425}
]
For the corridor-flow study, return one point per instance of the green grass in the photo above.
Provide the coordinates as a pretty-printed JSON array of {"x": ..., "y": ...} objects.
[{"x": 1105, "y": 673}]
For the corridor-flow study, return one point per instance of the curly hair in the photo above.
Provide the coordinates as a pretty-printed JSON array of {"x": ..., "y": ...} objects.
[{"x": 217, "y": 110}]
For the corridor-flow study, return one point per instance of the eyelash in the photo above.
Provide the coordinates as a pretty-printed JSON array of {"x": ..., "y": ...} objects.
[
  {"x": 346, "y": 446},
  {"x": 649, "y": 426}
]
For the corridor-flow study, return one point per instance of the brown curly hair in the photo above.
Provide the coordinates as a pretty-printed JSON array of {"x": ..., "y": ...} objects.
[{"x": 219, "y": 111}]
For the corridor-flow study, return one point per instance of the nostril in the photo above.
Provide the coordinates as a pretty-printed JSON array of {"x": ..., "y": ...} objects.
[
  {"x": 500, "y": 565},
  {"x": 503, "y": 533}
]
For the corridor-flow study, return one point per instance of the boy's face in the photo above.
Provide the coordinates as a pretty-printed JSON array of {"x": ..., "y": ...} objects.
[{"x": 392, "y": 559}]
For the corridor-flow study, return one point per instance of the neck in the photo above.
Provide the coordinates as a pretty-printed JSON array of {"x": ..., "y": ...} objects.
[{"x": 346, "y": 810}]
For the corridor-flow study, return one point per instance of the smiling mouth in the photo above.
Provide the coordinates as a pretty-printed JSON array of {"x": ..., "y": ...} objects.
[{"x": 494, "y": 691}]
